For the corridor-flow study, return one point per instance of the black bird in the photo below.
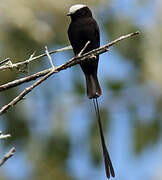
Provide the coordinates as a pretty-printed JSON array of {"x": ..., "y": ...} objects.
[{"x": 84, "y": 28}]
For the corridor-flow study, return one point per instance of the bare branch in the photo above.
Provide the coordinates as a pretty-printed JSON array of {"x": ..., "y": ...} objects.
[
  {"x": 81, "y": 52},
  {"x": 22, "y": 63},
  {"x": 26, "y": 91},
  {"x": 23, "y": 80},
  {"x": 7, "y": 156},
  {"x": 71, "y": 62},
  {"x": 25, "y": 67},
  {"x": 4, "y": 61},
  {"x": 68, "y": 64},
  {"x": 49, "y": 57},
  {"x": 4, "y": 136}
]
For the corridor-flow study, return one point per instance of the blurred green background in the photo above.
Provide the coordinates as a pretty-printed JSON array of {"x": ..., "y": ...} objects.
[{"x": 54, "y": 130}]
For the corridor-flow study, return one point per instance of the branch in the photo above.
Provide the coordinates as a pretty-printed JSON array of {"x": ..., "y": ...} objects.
[
  {"x": 4, "y": 136},
  {"x": 27, "y": 90},
  {"x": 49, "y": 57},
  {"x": 4, "y": 61},
  {"x": 71, "y": 62},
  {"x": 23, "y": 80},
  {"x": 81, "y": 52},
  {"x": 68, "y": 64},
  {"x": 7, "y": 156},
  {"x": 26, "y": 62}
]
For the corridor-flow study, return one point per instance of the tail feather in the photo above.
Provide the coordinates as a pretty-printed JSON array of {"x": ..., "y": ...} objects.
[
  {"x": 108, "y": 164},
  {"x": 93, "y": 86}
]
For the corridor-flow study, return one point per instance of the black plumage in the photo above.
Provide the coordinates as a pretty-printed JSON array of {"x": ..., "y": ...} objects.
[{"x": 83, "y": 28}]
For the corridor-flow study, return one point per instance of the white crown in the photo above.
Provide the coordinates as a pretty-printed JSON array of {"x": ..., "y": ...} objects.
[{"x": 76, "y": 7}]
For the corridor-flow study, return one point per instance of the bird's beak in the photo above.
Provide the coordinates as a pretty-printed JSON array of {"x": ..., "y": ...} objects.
[{"x": 68, "y": 14}]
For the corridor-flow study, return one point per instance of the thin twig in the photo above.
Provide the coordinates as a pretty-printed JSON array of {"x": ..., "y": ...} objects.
[
  {"x": 81, "y": 52},
  {"x": 22, "y": 63},
  {"x": 4, "y": 136},
  {"x": 70, "y": 63},
  {"x": 26, "y": 91},
  {"x": 25, "y": 67},
  {"x": 7, "y": 156},
  {"x": 24, "y": 80},
  {"x": 31, "y": 56},
  {"x": 4, "y": 61},
  {"x": 49, "y": 57}
]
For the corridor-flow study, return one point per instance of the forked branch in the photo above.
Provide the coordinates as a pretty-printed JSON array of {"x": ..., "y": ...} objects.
[
  {"x": 7, "y": 156},
  {"x": 47, "y": 73}
]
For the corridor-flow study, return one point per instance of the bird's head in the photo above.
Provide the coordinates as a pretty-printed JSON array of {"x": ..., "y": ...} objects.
[{"x": 79, "y": 11}]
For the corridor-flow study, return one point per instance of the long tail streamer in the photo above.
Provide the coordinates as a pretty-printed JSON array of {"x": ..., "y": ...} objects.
[{"x": 108, "y": 164}]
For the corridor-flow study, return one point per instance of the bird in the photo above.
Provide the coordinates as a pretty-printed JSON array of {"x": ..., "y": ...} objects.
[{"x": 82, "y": 29}]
